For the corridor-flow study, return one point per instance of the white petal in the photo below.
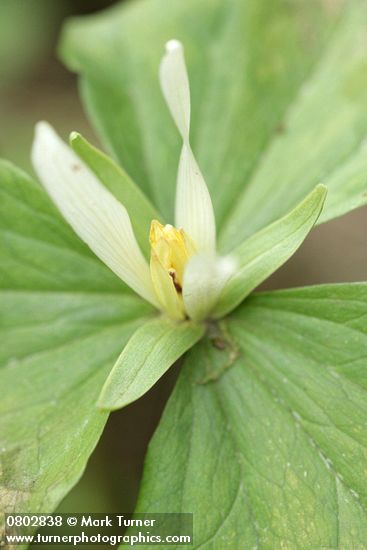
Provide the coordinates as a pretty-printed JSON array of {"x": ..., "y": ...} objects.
[
  {"x": 94, "y": 213},
  {"x": 194, "y": 210},
  {"x": 204, "y": 279},
  {"x": 175, "y": 86}
]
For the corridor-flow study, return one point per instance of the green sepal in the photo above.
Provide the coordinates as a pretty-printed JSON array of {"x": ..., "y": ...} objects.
[
  {"x": 140, "y": 209},
  {"x": 150, "y": 352},
  {"x": 263, "y": 253}
]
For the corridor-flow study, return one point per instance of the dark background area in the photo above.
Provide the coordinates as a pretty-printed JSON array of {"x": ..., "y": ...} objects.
[{"x": 34, "y": 85}]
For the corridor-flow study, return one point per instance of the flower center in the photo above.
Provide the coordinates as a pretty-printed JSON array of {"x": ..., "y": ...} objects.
[{"x": 171, "y": 249}]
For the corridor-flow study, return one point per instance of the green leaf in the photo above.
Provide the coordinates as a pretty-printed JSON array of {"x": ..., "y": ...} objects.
[
  {"x": 278, "y": 91},
  {"x": 64, "y": 318},
  {"x": 140, "y": 210},
  {"x": 260, "y": 255},
  {"x": 264, "y": 438},
  {"x": 148, "y": 355},
  {"x": 319, "y": 143}
]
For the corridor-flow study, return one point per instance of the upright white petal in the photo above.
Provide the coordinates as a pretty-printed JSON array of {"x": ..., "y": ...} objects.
[
  {"x": 94, "y": 213},
  {"x": 194, "y": 209},
  {"x": 175, "y": 86},
  {"x": 204, "y": 278}
]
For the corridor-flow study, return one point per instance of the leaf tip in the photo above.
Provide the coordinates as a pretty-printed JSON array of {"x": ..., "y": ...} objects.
[
  {"x": 321, "y": 192},
  {"x": 108, "y": 401},
  {"x": 321, "y": 188},
  {"x": 74, "y": 136},
  {"x": 104, "y": 405}
]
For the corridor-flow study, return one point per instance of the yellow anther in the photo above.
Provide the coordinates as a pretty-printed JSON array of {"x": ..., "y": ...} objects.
[{"x": 171, "y": 249}]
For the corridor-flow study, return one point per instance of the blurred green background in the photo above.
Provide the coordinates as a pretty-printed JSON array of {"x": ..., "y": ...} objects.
[{"x": 34, "y": 85}]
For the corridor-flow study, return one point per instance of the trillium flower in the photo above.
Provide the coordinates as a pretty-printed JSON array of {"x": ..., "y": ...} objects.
[{"x": 185, "y": 277}]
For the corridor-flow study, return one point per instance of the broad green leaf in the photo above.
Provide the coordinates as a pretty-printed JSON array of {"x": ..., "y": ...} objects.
[
  {"x": 140, "y": 210},
  {"x": 348, "y": 185},
  {"x": 264, "y": 438},
  {"x": 148, "y": 355},
  {"x": 323, "y": 138},
  {"x": 21, "y": 52},
  {"x": 64, "y": 319},
  {"x": 260, "y": 255},
  {"x": 278, "y": 90}
]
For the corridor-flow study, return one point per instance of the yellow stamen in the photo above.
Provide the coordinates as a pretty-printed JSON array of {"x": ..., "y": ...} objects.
[{"x": 171, "y": 248}]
